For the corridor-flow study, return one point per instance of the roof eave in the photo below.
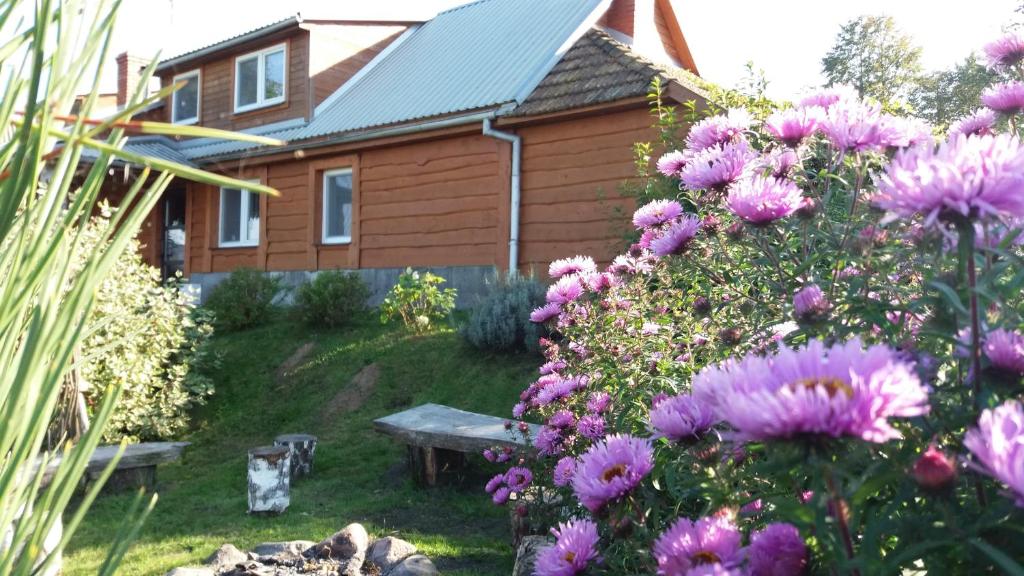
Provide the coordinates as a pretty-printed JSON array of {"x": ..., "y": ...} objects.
[{"x": 171, "y": 64}]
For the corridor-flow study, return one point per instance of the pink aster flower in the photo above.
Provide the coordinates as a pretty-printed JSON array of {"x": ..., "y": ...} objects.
[
  {"x": 557, "y": 390},
  {"x": 494, "y": 483},
  {"x": 998, "y": 444},
  {"x": 572, "y": 266},
  {"x": 599, "y": 403},
  {"x": 548, "y": 441},
  {"x": 827, "y": 97},
  {"x": 656, "y": 213},
  {"x": 677, "y": 236},
  {"x": 687, "y": 545},
  {"x": 1006, "y": 52},
  {"x": 793, "y": 126},
  {"x": 855, "y": 126},
  {"x": 552, "y": 367},
  {"x": 1006, "y": 97},
  {"x": 717, "y": 167},
  {"x": 1005, "y": 349},
  {"x": 572, "y": 553},
  {"x": 760, "y": 200},
  {"x": 978, "y": 123},
  {"x": 718, "y": 130},
  {"x": 562, "y": 419},
  {"x": 567, "y": 289},
  {"x": 610, "y": 469},
  {"x": 777, "y": 550},
  {"x": 518, "y": 478},
  {"x": 591, "y": 427},
  {"x": 564, "y": 471},
  {"x": 903, "y": 131},
  {"x": 681, "y": 417},
  {"x": 628, "y": 264},
  {"x": 671, "y": 163},
  {"x": 600, "y": 281},
  {"x": 501, "y": 495},
  {"x": 546, "y": 312},
  {"x": 834, "y": 391},
  {"x": 810, "y": 303},
  {"x": 976, "y": 177}
]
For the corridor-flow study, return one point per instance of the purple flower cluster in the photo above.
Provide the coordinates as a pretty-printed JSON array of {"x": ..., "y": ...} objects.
[
  {"x": 1005, "y": 98},
  {"x": 718, "y": 130},
  {"x": 1006, "y": 52},
  {"x": 841, "y": 390},
  {"x": 793, "y": 126},
  {"x": 776, "y": 550},
  {"x": 761, "y": 200},
  {"x": 671, "y": 163},
  {"x": 998, "y": 444},
  {"x": 1005, "y": 349},
  {"x": 810, "y": 303},
  {"x": 713, "y": 545},
  {"x": 666, "y": 228},
  {"x": 978, "y": 123},
  {"x": 681, "y": 418},
  {"x": 967, "y": 177},
  {"x": 676, "y": 237},
  {"x": 830, "y": 96},
  {"x": 716, "y": 167},
  {"x": 656, "y": 213},
  {"x": 610, "y": 469},
  {"x": 573, "y": 552}
]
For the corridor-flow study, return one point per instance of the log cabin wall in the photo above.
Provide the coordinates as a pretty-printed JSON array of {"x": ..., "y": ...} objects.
[{"x": 444, "y": 202}]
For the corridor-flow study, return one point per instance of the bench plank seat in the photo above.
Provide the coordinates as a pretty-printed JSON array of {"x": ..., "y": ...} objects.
[{"x": 146, "y": 455}]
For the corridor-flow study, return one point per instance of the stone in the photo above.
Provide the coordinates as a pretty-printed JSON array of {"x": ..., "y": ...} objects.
[
  {"x": 415, "y": 565},
  {"x": 352, "y": 567},
  {"x": 388, "y": 552},
  {"x": 291, "y": 549},
  {"x": 226, "y": 557},
  {"x": 192, "y": 571},
  {"x": 526, "y": 554},
  {"x": 349, "y": 542}
]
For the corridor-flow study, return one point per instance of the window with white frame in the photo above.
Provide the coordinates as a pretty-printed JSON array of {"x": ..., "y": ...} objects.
[
  {"x": 185, "y": 101},
  {"x": 337, "y": 223},
  {"x": 260, "y": 78},
  {"x": 239, "y": 218}
]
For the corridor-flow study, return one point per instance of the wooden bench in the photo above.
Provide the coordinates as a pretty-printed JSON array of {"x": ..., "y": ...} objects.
[
  {"x": 439, "y": 437},
  {"x": 137, "y": 466}
]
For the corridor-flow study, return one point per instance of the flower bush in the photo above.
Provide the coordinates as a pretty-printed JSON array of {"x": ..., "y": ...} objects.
[
  {"x": 332, "y": 299},
  {"x": 418, "y": 300},
  {"x": 500, "y": 322},
  {"x": 809, "y": 361},
  {"x": 243, "y": 300}
]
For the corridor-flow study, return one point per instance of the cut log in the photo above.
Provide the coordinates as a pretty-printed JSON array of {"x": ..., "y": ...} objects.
[
  {"x": 301, "y": 448},
  {"x": 269, "y": 479}
]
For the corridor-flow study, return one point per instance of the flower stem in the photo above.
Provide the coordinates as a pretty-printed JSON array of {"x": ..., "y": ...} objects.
[
  {"x": 839, "y": 512},
  {"x": 967, "y": 234}
]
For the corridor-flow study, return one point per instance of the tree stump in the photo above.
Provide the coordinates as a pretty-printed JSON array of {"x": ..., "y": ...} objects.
[
  {"x": 301, "y": 448},
  {"x": 269, "y": 479}
]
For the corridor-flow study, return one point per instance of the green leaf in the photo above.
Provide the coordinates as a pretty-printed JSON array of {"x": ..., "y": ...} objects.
[{"x": 1009, "y": 565}]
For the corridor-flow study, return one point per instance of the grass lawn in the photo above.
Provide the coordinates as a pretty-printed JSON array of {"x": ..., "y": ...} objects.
[{"x": 358, "y": 474}]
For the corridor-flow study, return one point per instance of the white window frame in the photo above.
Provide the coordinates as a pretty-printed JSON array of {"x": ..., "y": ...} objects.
[
  {"x": 323, "y": 207},
  {"x": 198, "y": 73},
  {"x": 261, "y": 78},
  {"x": 243, "y": 225}
]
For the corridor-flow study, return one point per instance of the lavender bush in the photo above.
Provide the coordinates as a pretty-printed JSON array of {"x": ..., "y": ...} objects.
[{"x": 810, "y": 361}]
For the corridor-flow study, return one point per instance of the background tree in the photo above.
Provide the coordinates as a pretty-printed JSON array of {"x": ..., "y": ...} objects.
[
  {"x": 944, "y": 96},
  {"x": 874, "y": 56}
]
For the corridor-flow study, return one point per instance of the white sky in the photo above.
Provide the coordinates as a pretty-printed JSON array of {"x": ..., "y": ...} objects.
[{"x": 786, "y": 38}]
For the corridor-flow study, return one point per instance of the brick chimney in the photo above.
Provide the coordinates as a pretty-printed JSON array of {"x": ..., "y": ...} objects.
[
  {"x": 129, "y": 74},
  {"x": 641, "y": 24}
]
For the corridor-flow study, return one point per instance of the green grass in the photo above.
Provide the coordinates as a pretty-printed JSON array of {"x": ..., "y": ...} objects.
[{"x": 358, "y": 474}]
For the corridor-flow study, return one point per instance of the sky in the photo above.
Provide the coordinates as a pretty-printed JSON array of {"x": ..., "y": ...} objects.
[{"x": 785, "y": 38}]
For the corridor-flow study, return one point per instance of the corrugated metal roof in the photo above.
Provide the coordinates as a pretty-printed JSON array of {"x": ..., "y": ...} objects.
[{"x": 467, "y": 58}]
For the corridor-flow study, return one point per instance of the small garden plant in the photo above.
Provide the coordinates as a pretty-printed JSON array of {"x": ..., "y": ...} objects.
[
  {"x": 501, "y": 321},
  {"x": 810, "y": 361},
  {"x": 418, "y": 300},
  {"x": 332, "y": 299},
  {"x": 243, "y": 300}
]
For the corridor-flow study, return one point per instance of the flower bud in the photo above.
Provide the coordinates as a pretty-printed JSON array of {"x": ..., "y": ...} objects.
[
  {"x": 808, "y": 208},
  {"x": 934, "y": 470},
  {"x": 701, "y": 305},
  {"x": 735, "y": 231},
  {"x": 710, "y": 225},
  {"x": 730, "y": 336}
]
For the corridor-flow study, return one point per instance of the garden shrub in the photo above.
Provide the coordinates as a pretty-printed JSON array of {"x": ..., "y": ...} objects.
[
  {"x": 819, "y": 324},
  {"x": 501, "y": 321},
  {"x": 331, "y": 299},
  {"x": 147, "y": 337},
  {"x": 418, "y": 300},
  {"x": 243, "y": 300}
]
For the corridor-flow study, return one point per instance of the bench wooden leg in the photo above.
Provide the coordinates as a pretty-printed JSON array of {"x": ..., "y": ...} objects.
[
  {"x": 130, "y": 479},
  {"x": 429, "y": 464}
]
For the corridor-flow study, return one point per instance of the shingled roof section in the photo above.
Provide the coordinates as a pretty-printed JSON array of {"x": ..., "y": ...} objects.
[{"x": 596, "y": 70}]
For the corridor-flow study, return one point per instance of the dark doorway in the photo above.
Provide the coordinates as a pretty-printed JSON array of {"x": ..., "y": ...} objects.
[{"x": 174, "y": 233}]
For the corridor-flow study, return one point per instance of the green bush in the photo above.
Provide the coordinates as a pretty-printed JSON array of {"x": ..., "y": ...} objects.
[
  {"x": 148, "y": 338},
  {"x": 418, "y": 300},
  {"x": 243, "y": 300},
  {"x": 332, "y": 299},
  {"x": 501, "y": 321}
]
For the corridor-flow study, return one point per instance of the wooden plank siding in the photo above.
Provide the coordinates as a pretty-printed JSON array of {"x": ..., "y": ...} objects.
[{"x": 571, "y": 189}]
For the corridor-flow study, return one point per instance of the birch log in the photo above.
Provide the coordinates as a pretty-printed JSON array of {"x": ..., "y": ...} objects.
[
  {"x": 269, "y": 479},
  {"x": 301, "y": 448}
]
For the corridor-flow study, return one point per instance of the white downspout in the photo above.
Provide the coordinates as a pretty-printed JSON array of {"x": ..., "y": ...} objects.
[{"x": 513, "y": 235}]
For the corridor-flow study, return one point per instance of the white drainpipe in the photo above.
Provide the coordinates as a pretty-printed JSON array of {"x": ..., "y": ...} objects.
[{"x": 513, "y": 236}]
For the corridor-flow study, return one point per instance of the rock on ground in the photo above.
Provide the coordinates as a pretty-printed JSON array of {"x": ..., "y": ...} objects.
[
  {"x": 293, "y": 548},
  {"x": 226, "y": 557},
  {"x": 388, "y": 552},
  {"x": 349, "y": 542},
  {"x": 191, "y": 571},
  {"x": 526, "y": 554},
  {"x": 415, "y": 565}
]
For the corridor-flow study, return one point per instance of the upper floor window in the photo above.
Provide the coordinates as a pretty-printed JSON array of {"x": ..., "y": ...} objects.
[
  {"x": 185, "y": 101},
  {"x": 239, "y": 218},
  {"x": 337, "y": 223},
  {"x": 260, "y": 78}
]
